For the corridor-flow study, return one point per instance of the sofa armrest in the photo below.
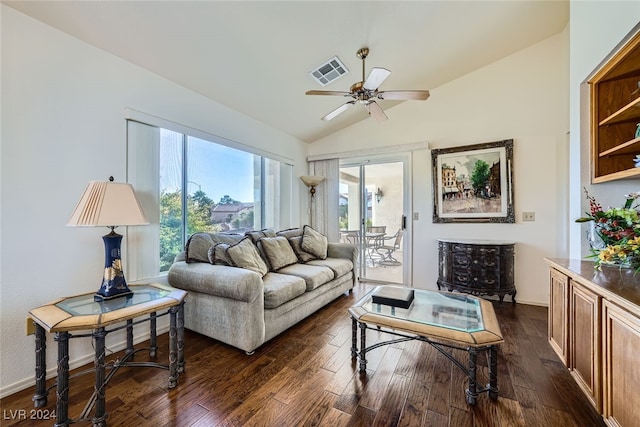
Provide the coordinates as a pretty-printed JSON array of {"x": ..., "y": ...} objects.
[
  {"x": 218, "y": 280},
  {"x": 343, "y": 250}
]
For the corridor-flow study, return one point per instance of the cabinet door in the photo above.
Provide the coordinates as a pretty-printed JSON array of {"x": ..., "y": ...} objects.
[
  {"x": 621, "y": 347},
  {"x": 558, "y": 314},
  {"x": 584, "y": 341}
]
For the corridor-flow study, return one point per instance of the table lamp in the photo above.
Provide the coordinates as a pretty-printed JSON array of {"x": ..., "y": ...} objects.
[{"x": 109, "y": 204}]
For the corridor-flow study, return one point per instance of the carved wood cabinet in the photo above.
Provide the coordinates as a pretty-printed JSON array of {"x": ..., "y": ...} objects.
[
  {"x": 600, "y": 312},
  {"x": 478, "y": 267}
]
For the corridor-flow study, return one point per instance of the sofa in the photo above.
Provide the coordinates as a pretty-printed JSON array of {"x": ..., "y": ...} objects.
[{"x": 245, "y": 289}]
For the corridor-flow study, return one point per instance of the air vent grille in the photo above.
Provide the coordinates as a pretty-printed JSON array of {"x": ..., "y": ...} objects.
[{"x": 329, "y": 71}]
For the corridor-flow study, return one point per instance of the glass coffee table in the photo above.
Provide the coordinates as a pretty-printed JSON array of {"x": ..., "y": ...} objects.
[{"x": 442, "y": 319}]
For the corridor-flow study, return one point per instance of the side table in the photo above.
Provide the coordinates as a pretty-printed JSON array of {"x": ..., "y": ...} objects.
[{"x": 81, "y": 312}]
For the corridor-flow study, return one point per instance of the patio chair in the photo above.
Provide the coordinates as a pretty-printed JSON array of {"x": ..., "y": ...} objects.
[
  {"x": 351, "y": 236},
  {"x": 374, "y": 238},
  {"x": 394, "y": 244}
]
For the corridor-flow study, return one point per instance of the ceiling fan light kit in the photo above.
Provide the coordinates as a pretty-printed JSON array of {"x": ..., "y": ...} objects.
[{"x": 365, "y": 92}]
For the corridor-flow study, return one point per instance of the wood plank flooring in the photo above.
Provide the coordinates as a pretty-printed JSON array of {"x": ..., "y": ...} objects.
[{"x": 305, "y": 377}]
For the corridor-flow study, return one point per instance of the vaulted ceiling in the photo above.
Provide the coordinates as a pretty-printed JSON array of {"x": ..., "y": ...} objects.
[{"x": 255, "y": 56}]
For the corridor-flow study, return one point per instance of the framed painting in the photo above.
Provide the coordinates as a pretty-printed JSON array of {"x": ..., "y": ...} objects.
[{"x": 473, "y": 183}]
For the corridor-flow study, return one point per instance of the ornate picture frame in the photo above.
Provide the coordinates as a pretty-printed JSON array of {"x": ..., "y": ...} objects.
[{"x": 473, "y": 183}]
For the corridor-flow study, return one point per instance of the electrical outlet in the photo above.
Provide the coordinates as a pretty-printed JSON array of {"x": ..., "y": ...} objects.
[
  {"x": 528, "y": 216},
  {"x": 31, "y": 327}
]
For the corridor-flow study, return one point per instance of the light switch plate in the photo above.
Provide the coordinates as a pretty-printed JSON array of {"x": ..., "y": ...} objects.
[{"x": 528, "y": 216}]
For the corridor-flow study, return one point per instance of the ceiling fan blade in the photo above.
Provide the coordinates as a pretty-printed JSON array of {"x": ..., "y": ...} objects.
[
  {"x": 414, "y": 95},
  {"x": 327, "y": 92},
  {"x": 376, "y": 111},
  {"x": 376, "y": 77},
  {"x": 338, "y": 110}
]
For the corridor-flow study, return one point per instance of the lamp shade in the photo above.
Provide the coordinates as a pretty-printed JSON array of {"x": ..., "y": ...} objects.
[
  {"x": 311, "y": 180},
  {"x": 108, "y": 204}
]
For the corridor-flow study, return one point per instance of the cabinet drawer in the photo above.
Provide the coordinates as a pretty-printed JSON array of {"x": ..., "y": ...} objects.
[
  {"x": 460, "y": 248},
  {"x": 461, "y": 260}
]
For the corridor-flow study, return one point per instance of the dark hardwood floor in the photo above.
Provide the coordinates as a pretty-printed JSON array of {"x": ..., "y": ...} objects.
[{"x": 306, "y": 376}]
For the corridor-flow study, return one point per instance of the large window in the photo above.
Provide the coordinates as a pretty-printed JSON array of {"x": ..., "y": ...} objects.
[{"x": 201, "y": 184}]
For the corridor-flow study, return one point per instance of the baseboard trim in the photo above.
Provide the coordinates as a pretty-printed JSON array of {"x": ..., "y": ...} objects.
[{"x": 75, "y": 363}]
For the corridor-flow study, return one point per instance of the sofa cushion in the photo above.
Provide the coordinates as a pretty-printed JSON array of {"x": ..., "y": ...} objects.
[
  {"x": 218, "y": 254},
  {"x": 280, "y": 288},
  {"x": 197, "y": 247},
  {"x": 313, "y": 275},
  {"x": 339, "y": 266},
  {"x": 314, "y": 242},
  {"x": 296, "y": 244},
  {"x": 244, "y": 254},
  {"x": 278, "y": 252}
]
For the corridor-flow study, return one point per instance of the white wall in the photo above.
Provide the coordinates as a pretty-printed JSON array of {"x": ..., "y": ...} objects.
[
  {"x": 597, "y": 27},
  {"x": 62, "y": 125},
  {"x": 524, "y": 97}
]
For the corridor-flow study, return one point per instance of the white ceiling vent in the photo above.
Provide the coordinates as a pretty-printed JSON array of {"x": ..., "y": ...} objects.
[{"x": 329, "y": 71}]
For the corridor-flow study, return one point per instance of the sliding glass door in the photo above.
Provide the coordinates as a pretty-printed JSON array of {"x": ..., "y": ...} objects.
[{"x": 372, "y": 214}]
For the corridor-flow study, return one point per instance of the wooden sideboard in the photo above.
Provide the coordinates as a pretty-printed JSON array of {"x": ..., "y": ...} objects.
[
  {"x": 594, "y": 327},
  {"x": 478, "y": 267}
]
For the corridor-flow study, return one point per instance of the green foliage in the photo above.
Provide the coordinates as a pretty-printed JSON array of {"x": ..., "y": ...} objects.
[
  {"x": 170, "y": 228},
  {"x": 480, "y": 175},
  {"x": 171, "y": 233}
]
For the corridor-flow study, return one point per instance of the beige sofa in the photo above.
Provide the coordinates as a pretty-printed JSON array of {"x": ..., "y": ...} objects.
[{"x": 246, "y": 289}]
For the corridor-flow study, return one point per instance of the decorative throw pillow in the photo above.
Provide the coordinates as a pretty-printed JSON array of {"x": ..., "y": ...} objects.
[
  {"x": 218, "y": 254},
  {"x": 296, "y": 244},
  {"x": 278, "y": 252},
  {"x": 244, "y": 254},
  {"x": 314, "y": 242},
  {"x": 257, "y": 235},
  {"x": 290, "y": 232},
  {"x": 197, "y": 247}
]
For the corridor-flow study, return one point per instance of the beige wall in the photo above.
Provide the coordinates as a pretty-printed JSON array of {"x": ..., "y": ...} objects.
[
  {"x": 62, "y": 126},
  {"x": 597, "y": 27},
  {"x": 524, "y": 97}
]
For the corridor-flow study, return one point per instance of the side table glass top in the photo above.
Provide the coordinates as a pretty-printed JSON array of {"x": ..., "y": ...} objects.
[
  {"x": 81, "y": 312},
  {"x": 453, "y": 311},
  {"x": 460, "y": 318},
  {"x": 84, "y": 305}
]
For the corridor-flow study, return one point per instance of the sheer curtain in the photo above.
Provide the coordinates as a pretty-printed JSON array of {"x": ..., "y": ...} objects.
[
  {"x": 324, "y": 206},
  {"x": 143, "y": 153}
]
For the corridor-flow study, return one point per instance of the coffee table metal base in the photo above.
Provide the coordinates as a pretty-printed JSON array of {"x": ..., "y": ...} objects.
[{"x": 470, "y": 370}]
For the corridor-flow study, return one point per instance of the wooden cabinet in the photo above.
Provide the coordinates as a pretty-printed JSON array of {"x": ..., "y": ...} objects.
[
  {"x": 558, "y": 315},
  {"x": 584, "y": 341},
  {"x": 478, "y": 267},
  {"x": 621, "y": 372},
  {"x": 615, "y": 113},
  {"x": 600, "y": 311}
]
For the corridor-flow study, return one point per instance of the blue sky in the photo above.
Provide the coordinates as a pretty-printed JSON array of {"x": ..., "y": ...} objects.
[{"x": 214, "y": 168}]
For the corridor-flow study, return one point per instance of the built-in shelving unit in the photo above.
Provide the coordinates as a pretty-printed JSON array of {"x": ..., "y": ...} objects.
[{"x": 615, "y": 113}]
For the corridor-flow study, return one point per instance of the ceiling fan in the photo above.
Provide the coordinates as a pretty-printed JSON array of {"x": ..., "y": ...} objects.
[{"x": 366, "y": 92}]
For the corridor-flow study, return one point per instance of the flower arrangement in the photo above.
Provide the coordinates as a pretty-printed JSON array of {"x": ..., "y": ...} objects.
[{"x": 619, "y": 231}]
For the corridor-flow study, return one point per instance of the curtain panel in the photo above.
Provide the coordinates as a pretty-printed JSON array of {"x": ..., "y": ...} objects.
[{"x": 324, "y": 206}]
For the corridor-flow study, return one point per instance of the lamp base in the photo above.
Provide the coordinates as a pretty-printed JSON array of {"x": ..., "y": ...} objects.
[
  {"x": 114, "y": 284},
  {"x": 99, "y": 297}
]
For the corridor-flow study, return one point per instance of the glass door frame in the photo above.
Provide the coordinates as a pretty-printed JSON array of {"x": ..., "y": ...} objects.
[{"x": 406, "y": 242}]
